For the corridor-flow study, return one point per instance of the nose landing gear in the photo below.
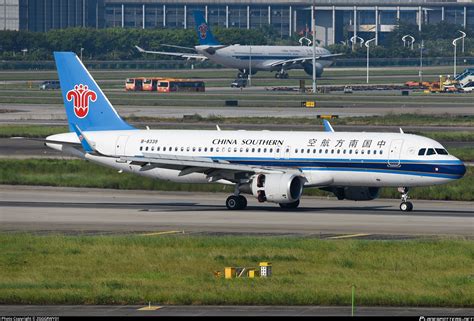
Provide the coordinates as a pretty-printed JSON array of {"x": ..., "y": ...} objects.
[{"x": 405, "y": 205}]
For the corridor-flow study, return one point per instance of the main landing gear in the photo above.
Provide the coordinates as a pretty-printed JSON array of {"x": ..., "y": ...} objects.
[
  {"x": 405, "y": 205},
  {"x": 236, "y": 202},
  {"x": 282, "y": 74}
]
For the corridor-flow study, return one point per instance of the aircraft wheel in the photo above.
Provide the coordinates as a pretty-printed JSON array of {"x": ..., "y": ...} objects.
[
  {"x": 234, "y": 202},
  {"x": 285, "y": 75},
  {"x": 292, "y": 205},
  {"x": 406, "y": 206},
  {"x": 277, "y": 75},
  {"x": 243, "y": 202}
]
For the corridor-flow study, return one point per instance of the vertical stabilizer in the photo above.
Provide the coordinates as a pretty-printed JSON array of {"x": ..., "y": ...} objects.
[{"x": 86, "y": 105}]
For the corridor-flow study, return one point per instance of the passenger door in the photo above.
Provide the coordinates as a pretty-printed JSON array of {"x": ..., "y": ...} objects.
[
  {"x": 120, "y": 145},
  {"x": 394, "y": 153}
]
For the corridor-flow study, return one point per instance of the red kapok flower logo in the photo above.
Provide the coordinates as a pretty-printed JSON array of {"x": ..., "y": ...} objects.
[{"x": 80, "y": 96}]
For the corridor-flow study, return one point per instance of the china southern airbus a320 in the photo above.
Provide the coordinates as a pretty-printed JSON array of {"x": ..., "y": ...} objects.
[
  {"x": 272, "y": 166},
  {"x": 260, "y": 58}
]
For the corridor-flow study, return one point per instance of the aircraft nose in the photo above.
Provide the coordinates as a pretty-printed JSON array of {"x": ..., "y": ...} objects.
[{"x": 459, "y": 169}]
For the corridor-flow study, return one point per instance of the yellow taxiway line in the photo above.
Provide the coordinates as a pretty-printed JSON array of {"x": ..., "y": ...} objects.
[
  {"x": 162, "y": 233},
  {"x": 347, "y": 236}
]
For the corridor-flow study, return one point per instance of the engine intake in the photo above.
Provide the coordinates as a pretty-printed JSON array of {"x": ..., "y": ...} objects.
[{"x": 277, "y": 188}]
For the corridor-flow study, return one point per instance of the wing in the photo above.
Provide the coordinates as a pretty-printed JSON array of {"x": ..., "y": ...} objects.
[
  {"x": 301, "y": 60},
  {"x": 214, "y": 169},
  {"x": 175, "y": 54}
]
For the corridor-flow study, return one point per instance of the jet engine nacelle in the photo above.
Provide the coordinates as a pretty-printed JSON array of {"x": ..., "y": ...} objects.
[
  {"x": 277, "y": 188},
  {"x": 356, "y": 193},
  {"x": 308, "y": 68}
]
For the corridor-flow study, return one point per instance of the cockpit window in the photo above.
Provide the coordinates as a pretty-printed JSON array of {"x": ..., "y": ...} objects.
[
  {"x": 430, "y": 151},
  {"x": 421, "y": 152},
  {"x": 441, "y": 151}
]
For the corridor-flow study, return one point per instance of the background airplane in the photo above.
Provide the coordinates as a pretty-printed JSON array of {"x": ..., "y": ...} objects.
[
  {"x": 272, "y": 166},
  {"x": 252, "y": 58}
]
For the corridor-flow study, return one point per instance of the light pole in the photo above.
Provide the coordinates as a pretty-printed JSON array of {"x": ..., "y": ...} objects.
[
  {"x": 354, "y": 40},
  {"x": 250, "y": 66},
  {"x": 463, "y": 36},
  {"x": 367, "y": 44},
  {"x": 455, "y": 50},
  {"x": 410, "y": 43},
  {"x": 420, "y": 72},
  {"x": 313, "y": 22},
  {"x": 24, "y": 51}
]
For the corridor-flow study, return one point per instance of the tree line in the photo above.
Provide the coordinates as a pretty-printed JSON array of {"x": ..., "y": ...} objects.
[{"x": 118, "y": 43}]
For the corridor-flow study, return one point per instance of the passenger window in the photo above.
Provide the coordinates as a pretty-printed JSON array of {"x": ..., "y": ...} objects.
[
  {"x": 270, "y": 150},
  {"x": 421, "y": 152},
  {"x": 253, "y": 150},
  {"x": 194, "y": 149},
  {"x": 441, "y": 151},
  {"x": 217, "y": 149},
  {"x": 212, "y": 149},
  {"x": 259, "y": 150},
  {"x": 146, "y": 148},
  {"x": 430, "y": 151},
  {"x": 247, "y": 150},
  {"x": 357, "y": 151},
  {"x": 141, "y": 148},
  {"x": 241, "y": 149},
  {"x": 338, "y": 151},
  {"x": 350, "y": 151},
  {"x": 368, "y": 152},
  {"x": 326, "y": 151},
  {"x": 296, "y": 151},
  {"x": 308, "y": 151},
  {"x": 152, "y": 148},
  {"x": 344, "y": 151},
  {"x": 380, "y": 152},
  {"x": 302, "y": 150},
  {"x": 205, "y": 149},
  {"x": 320, "y": 151}
]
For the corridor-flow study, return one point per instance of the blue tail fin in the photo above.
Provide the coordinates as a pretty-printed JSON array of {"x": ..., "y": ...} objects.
[
  {"x": 203, "y": 30},
  {"x": 85, "y": 103}
]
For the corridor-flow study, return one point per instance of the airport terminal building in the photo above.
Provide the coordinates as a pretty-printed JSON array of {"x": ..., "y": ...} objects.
[{"x": 336, "y": 20}]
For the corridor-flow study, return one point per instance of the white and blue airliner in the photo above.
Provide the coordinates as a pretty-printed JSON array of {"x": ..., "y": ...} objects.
[
  {"x": 273, "y": 166},
  {"x": 251, "y": 59}
]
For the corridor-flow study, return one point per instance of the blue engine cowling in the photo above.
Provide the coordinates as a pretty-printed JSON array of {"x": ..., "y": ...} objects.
[{"x": 308, "y": 68}]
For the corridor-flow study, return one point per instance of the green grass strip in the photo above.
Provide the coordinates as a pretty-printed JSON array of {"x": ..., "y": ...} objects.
[{"x": 136, "y": 269}]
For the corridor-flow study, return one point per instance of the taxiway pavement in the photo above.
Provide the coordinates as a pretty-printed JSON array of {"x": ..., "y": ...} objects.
[{"x": 85, "y": 210}]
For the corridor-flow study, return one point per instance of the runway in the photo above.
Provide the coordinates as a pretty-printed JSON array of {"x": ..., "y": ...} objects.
[{"x": 92, "y": 211}]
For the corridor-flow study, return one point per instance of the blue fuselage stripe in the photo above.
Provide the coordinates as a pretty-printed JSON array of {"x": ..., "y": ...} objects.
[{"x": 442, "y": 169}]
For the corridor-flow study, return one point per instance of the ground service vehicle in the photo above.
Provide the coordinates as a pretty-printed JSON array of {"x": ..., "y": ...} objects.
[
  {"x": 49, "y": 85},
  {"x": 173, "y": 85}
]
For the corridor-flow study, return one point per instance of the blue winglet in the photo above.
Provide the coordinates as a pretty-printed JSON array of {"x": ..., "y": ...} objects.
[{"x": 327, "y": 126}]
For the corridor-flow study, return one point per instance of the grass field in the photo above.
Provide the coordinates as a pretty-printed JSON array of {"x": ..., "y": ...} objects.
[
  {"x": 387, "y": 120},
  {"x": 78, "y": 173},
  {"x": 136, "y": 269}
]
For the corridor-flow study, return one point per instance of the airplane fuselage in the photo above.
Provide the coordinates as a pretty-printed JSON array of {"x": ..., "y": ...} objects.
[
  {"x": 262, "y": 58},
  {"x": 323, "y": 158}
]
